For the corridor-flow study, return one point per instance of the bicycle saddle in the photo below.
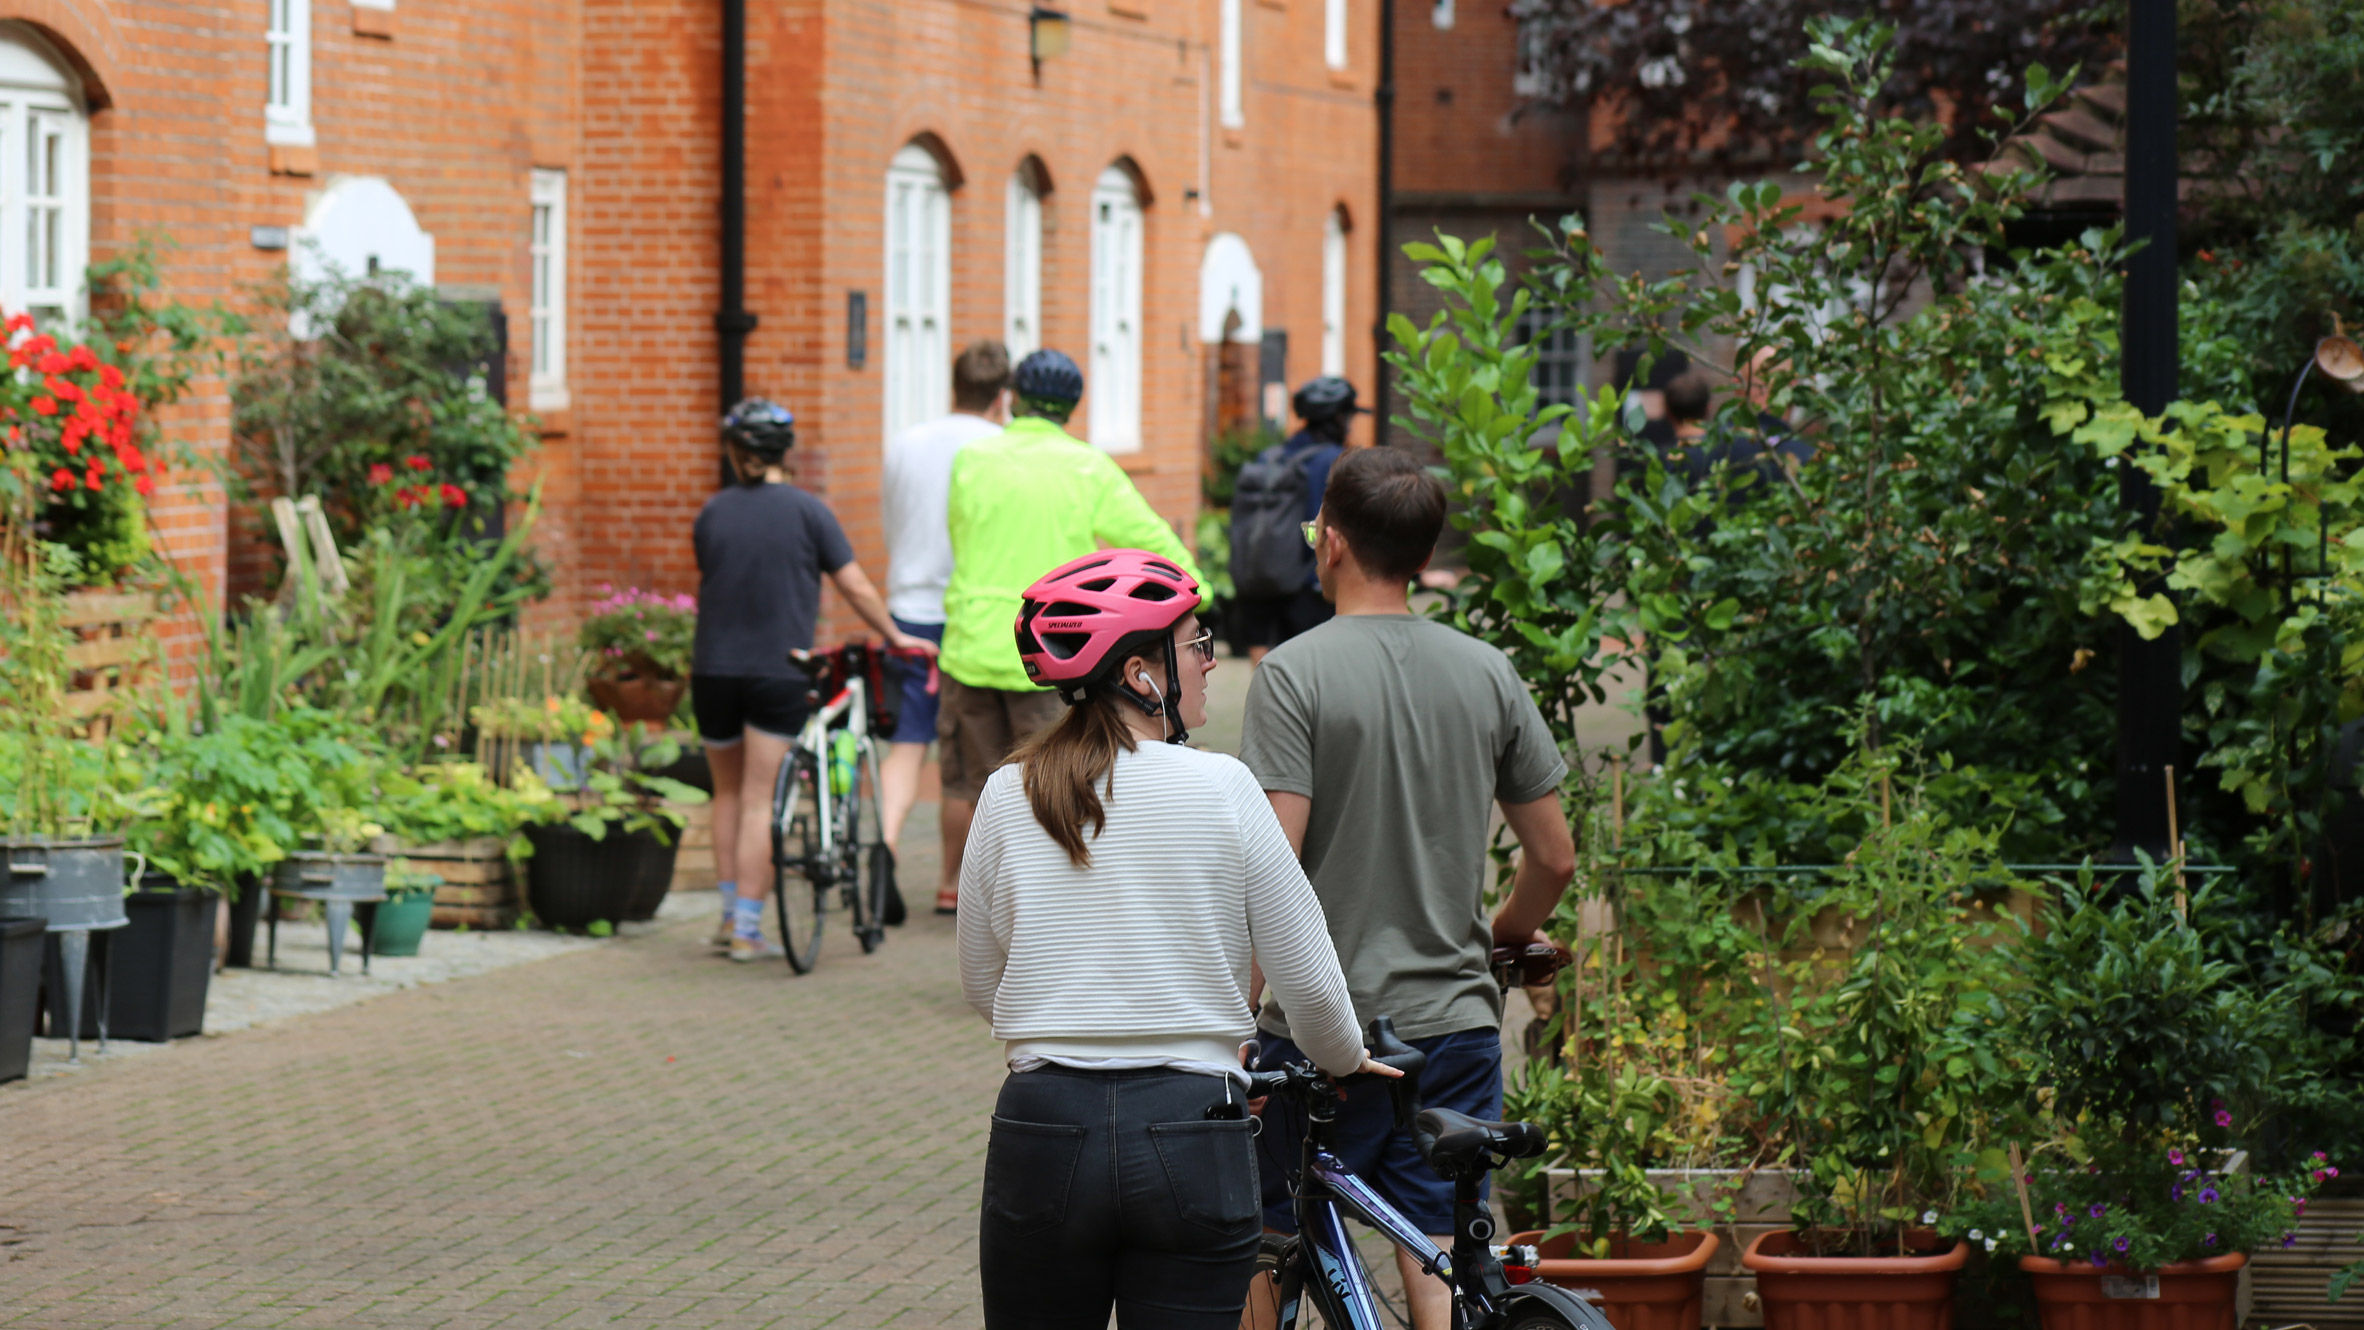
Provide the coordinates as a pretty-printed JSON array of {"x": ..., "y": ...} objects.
[{"x": 1457, "y": 1145}]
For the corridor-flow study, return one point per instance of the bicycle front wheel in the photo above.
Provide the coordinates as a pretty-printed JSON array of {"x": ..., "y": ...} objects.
[{"x": 800, "y": 876}]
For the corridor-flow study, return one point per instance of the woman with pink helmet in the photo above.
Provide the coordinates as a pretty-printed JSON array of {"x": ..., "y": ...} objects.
[{"x": 1117, "y": 886}]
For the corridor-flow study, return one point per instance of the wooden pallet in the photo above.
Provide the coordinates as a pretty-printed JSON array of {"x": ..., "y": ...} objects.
[
  {"x": 693, "y": 866},
  {"x": 2287, "y": 1285},
  {"x": 115, "y": 644}
]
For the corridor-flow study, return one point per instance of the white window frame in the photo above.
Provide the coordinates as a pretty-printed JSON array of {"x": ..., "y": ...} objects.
[
  {"x": 1334, "y": 293},
  {"x": 1334, "y": 33},
  {"x": 1022, "y": 265},
  {"x": 1231, "y": 44},
  {"x": 917, "y": 384},
  {"x": 44, "y": 195},
  {"x": 1114, "y": 385},
  {"x": 546, "y": 304},
  {"x": 287, "y": 80}
]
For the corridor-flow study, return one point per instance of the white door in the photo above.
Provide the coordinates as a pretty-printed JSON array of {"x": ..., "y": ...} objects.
[
  {"x": 1114, "y": 388},
  {"x": 44, "y": 184},
  {"x": 918, "y": 291},
  {"x": 1334, "y": 294}
]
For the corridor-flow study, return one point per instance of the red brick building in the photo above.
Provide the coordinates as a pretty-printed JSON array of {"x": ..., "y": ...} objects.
[{"x": 914, "y": 179}]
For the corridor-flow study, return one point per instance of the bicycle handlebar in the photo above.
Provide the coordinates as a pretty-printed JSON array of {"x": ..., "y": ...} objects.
[{"x": 1302, "y": 1080}]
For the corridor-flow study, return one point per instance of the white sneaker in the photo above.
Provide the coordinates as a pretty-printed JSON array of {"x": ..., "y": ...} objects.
[
  {"x": 756, "y": 949},
  {"x": 723, "y": 931}
]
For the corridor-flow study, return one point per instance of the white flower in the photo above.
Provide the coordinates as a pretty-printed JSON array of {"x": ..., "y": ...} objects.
[
  {"x": 2068, "y": 1246},
  {"x": 1976, "y": 1236},
  {"x": 1928, "y": 1216},
  {"x": 1990, "y": 1244}
]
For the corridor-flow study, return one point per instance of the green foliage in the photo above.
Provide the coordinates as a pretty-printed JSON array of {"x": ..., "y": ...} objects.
[
  {"x": 450, "y": 801},
  {"x": 2138, "y": 1207},
  {"x": 619, "y": 791},
  {"x": 226, "y": 803}
]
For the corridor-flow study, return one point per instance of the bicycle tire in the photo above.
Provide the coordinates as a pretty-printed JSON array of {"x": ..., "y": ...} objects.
[
  {"x": 851, "y": 877},
  {"x": 804, "y": 901}
]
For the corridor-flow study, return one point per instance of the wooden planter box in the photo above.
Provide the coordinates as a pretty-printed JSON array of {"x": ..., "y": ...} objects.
[
  {"x": 478, "y": 891},
  {"x": 693, "y": 867},
  {"x": 2286, "y": 1286},
  {"x": 114, "y": 646},
  {"x": 1763, "y": 1204}
]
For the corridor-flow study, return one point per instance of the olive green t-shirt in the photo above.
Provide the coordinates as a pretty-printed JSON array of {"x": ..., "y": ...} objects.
[{"x": 1404, "y": 733}]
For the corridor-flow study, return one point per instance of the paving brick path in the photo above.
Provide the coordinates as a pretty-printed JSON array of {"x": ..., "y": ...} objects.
[{"x": 634, "y": 1136}]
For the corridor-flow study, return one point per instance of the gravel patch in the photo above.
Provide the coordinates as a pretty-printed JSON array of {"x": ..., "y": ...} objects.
[{"x": 245, "y": 999}]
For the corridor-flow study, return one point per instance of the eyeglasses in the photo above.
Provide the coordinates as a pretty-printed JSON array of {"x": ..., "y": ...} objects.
[
  {"x": 1203, "y": 644},
  {"x": 1313, "y": 533}
]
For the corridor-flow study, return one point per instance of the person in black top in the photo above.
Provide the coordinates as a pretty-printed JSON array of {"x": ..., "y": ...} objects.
[{"x": 763, "y": 546}]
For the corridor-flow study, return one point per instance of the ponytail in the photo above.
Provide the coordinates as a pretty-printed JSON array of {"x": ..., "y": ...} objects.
[{"x": 1065, "y": 766}]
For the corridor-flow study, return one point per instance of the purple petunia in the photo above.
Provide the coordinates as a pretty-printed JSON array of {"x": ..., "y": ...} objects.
[
  {"x": 2224, "y": 1117},
  {"x": 2208, "y": 1241},
  {"x": 2175, "y": 1193},
  {"x": 2289, "y": 1240},
  {"x": 2208, "y": 1196},
  {"x": 2099, "y": 1209},
  {"x": 2100, "y": 1259},
  {"x": 2123, "y": 1243}
]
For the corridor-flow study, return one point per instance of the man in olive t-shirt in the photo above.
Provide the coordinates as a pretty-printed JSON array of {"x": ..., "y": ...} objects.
[{"x": 1385, "y": 741}]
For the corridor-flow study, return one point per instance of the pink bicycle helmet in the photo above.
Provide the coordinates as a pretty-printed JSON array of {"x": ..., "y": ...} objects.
[{"x": 1075, "y": 617}]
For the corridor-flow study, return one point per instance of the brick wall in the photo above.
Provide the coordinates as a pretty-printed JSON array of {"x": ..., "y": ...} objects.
[{"x": 458, "y": 103}]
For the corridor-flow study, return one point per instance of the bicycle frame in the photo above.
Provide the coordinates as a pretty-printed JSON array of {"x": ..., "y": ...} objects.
[{"x": 853, "y": 703}]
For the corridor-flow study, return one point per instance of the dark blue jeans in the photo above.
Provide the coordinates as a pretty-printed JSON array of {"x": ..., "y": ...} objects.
[{"x": 1114, "y": 1188}]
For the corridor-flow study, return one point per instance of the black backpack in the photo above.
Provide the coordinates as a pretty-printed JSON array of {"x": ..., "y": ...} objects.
[{"x": 1269, "y": 557}]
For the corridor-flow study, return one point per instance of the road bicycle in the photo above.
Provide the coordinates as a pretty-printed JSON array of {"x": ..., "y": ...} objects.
[
  {"x": 1318, "y": 1264},
  {"x": 820, "y": 859}
]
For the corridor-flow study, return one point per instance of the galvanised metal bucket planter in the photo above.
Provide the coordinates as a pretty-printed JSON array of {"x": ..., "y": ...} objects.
[
  {"x": 339, "y": 882},
  {"x": 77, "y": 886}
]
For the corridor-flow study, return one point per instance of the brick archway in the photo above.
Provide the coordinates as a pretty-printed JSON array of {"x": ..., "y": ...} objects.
[{"x": 85, "y": 36}]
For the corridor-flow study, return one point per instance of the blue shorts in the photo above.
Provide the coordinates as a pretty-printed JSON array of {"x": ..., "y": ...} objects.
[
  {"x": 1464, "y": 1074},
  {"x": 915, "y": 706}
]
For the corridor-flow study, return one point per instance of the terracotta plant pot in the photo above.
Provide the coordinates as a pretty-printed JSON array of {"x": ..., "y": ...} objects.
[
  {"x": 639, "y": 697},
  {"x": 1639, "y": 1285},
  {"x": 1801, "y": 1291},
  {"x": 2189, "y": 1295}
]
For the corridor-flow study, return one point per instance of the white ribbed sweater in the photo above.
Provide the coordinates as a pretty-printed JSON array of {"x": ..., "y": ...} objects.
[{"x": 1144, "y": 955}]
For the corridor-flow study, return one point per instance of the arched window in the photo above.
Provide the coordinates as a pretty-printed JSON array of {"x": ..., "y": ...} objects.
[
  {"x": 918, "y": 290},
  {"x": 1334, "y": 33},
  {"x": 1114, "y": 388},
  {"x": 44, "y": 181},
  {"x": 1022, "y": 262},
  {"x": 1334, "y": 292}
]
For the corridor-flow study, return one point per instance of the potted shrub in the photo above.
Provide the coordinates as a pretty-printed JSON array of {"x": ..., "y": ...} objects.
[
  {"x": 590, "y": 839},
  {"x": 219, "y": 809},
  {"x": 2136, "y": 1208},
  {"x": 450, "y": 820},
  {"x": 641, "y": 642}
]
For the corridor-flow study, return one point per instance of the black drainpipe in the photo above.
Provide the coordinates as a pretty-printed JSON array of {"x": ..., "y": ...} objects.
[
  {"x": 1385, "y": 97},
  {"x": 732, "y": 322}
]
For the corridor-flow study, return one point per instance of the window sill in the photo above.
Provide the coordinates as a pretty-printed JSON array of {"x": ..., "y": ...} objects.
[
  {"x": 282, "y": 133},
  {"x": 1235, "y": 136},
  {"x": 1342, "y": 78},
  {"x": 373, "y": 20},
  {"x": 1129, "y": 8},
  {"x": 548, "y": 397},
  {"x": 295, "y": 159},
  {"x": 556, "y": 423}
]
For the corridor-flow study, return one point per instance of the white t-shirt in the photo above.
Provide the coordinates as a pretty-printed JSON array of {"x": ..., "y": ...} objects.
[{"x": 918, "y": 484}]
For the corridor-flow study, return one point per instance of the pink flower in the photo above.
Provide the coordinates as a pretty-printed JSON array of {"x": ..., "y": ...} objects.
[
  {"x": 2175, "y": 1157},
  {"x": 2224, "y": 1117}
]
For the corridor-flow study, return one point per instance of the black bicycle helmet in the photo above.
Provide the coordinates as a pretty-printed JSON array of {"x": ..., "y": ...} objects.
[
  {"x": 1048, "y": 376},
  {"x": 762, "y": 427},
  {"x": 1326, "y": 398}
]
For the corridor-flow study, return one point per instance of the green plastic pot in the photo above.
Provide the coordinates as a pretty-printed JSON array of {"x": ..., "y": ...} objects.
[{"x": 401, "y": 921}]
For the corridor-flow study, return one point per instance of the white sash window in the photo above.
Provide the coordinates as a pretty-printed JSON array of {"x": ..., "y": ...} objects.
[
  {"x": 44, "y": 183},
  {"x": 918, "y": 291},
  {"x": 1114, "y": 385},
  {"x": 1022, "y": 266}
]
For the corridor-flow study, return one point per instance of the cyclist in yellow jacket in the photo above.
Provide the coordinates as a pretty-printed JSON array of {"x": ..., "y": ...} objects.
[{"x": 1029, "y": 498}]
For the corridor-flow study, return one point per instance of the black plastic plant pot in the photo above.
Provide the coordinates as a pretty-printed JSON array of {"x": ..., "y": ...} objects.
[
  {"x": 574, "y": 881},
  {"x": 157, "y": 970},
  {"x": 655, "y": 857},
  {"x": 246, "y": 911},
  {"x": 20, "y": 993}
]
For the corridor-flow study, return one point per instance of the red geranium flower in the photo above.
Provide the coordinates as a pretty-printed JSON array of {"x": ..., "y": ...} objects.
[
  {"x": 110, "y": 377},
  {"x": 454, "y": 496},
  {"x": 61, "y": 479},
  {"x": 45, "y": 405},
  {"x": 405, "y": 498},
  {"x": 380, "y": 473},
  {"x": 146, "y": 485},
  {"x": 416, "y": 462},
  {"x": 18, "y": 323},
  {"x": 82, "y": 357}
]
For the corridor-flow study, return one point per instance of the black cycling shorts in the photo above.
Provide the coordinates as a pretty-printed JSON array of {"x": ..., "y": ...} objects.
[{"x": 728, "y": 705}]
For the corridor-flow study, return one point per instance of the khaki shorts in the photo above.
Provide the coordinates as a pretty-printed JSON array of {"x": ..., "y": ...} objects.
[{"x": 978, "y": 728}]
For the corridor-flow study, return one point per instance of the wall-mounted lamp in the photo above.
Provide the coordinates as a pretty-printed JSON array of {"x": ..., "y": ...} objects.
[{"x": 1046, "y": 35}]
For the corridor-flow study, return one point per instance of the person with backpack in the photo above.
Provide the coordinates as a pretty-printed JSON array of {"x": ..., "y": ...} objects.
[{"x": 1276, "y": 592}]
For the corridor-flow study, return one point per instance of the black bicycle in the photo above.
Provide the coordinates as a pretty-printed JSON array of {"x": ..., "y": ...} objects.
[{"x": 1319, "y": 1263}]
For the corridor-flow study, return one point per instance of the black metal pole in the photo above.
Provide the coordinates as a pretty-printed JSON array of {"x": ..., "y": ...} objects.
[
  {"x": 1384, "y": 97},
  {"x": 2150, "y": 681},
  {"x": 732, "y": 322}
]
